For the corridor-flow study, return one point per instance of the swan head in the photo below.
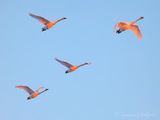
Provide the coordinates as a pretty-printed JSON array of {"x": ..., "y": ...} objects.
[
  {"x": 141, "y": 18},
  {"x": 64, "y": 18}
]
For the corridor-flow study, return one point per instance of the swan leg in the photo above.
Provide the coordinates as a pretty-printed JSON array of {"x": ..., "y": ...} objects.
[
  {"x": 119, "y": 31},
  {"x": 44, "y": 29},
  {"x": 28, "y": 98},
  {"x": 66, "y": 71}
]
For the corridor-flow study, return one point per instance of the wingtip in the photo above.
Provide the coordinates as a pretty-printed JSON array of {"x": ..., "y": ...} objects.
[
  {"x": 114, "y": 29},
  {"x": 41, "y": 87},
  {"x": 18, "y": 86},
  {"x": 140, "y": 39},
  {"x": 30, "y": 14},
  {"x": 57, "y": 59}
]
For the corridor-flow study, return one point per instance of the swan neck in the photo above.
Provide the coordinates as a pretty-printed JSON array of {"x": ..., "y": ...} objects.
[
  {"x": 43, "y": 91},
  {"x": 138, "y": 19},
  {"x": 82, "y": 65},
  {"x": 60, "y": 19}
]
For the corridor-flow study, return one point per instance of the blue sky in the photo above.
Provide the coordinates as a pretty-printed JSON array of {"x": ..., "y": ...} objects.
[{"x": 122, "y": 83}]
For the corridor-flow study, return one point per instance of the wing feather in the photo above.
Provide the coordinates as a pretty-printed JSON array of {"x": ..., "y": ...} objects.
[
  {"x": 120, "y": 25},
  {"x": 40, "y": 88},
  {"x": 40, "y": 19},
  {"x": 137, "y": 31},
  {"x": 68, "y": 65},
  {"x": 26, "y": 88}
]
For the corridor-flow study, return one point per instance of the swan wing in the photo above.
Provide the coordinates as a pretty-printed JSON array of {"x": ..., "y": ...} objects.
[
  {"x": 26, "y": 88},
  {"x": 137, "y": 31},
  {"x": 40, "y": 19},
  {"x": 120, "y": 25},
  {"x": 68, "y": 65}
]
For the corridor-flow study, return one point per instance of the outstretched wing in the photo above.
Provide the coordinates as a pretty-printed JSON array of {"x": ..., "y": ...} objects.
[
  {"x": 68, "y": 65},
  {"x": 137, "y": 32},
  {"x": 40, "y": 19},
  {"x": 26, "y": 88},
  {"x": 121, "y": 24},
  {"x": 40, "y": 88}
]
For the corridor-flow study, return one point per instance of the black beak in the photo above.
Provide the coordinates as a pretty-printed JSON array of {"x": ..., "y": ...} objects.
[{"x": 66, "y": 72}]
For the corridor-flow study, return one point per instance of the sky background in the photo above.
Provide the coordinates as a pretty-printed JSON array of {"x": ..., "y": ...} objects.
[{"x": 122, "y": 83}]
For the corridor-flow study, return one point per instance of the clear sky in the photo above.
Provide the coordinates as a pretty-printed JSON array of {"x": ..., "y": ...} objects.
[{"x": 123, "y": 81}]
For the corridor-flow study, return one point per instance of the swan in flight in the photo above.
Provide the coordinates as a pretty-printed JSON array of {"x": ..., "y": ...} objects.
[
  {"x": 122, "y": 26},
  {"x": 70, "y": 67},
  {"x": 32, "y": 93},
  {"x": 48, "y": 24}
]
